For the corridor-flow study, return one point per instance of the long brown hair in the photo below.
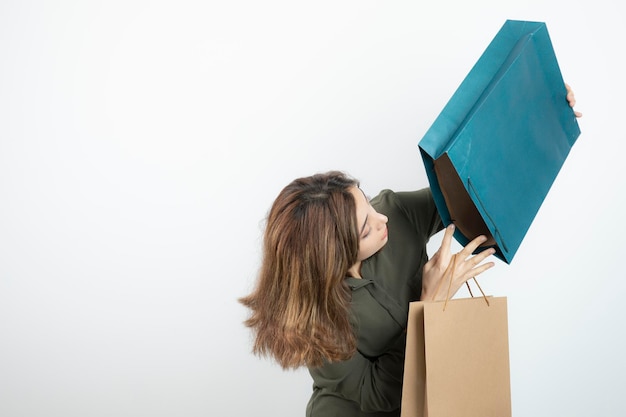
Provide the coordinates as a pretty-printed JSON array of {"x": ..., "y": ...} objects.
[{"x": 300, "y": 306}]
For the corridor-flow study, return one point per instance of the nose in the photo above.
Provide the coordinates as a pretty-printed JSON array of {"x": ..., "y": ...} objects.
[{"x": 384, "y": 219}]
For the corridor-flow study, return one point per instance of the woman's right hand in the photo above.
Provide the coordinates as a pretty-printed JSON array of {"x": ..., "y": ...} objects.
[
  {"x": 436, "y": 283},
  {"x": 571, "y": 99}
]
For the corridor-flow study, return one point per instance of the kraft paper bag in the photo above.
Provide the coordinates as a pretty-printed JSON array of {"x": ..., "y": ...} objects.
[
  {"x": 496, "y": 148},
  {"x": 457, "y": 359}
]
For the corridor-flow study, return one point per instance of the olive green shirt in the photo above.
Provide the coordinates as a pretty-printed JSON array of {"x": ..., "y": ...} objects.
[{"x": 370, "y": 383}]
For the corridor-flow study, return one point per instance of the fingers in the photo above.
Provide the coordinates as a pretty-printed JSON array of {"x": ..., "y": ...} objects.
[
  {"x": 467, "y": 251},
  {"x": 476, "y": 265},
  {"x": 571, "y": 99},
  {"x": 472, "y": 265},
  {"x": 446, "y": 242},
  {"x": 471, "y": 247},
  {"x": 480, "y": 257},
  {"x": 484, "y": 255},
  {"x": 476, "y": 271}
]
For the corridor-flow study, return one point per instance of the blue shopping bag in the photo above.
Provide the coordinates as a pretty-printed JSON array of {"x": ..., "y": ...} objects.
[{"x": 496, "y": 148}]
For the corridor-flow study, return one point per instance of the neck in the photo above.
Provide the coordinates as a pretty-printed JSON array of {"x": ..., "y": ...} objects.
[{"x": 355, "y": 270}]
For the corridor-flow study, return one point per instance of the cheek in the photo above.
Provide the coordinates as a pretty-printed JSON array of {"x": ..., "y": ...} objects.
[
  {"x": 362, "y": 250},
  {"x": 366, "y": 250}
]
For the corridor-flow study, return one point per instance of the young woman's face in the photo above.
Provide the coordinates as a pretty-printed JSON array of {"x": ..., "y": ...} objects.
[{"x": 372, "y": 225}]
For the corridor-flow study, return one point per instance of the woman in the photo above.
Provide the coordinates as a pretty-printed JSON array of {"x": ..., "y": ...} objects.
[
  {"x": 335, "y": 284},
  {"x": 334, "y": 287}
]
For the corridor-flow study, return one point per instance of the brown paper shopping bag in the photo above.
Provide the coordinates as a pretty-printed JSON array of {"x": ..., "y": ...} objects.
[{"x": 457, "y": 359}]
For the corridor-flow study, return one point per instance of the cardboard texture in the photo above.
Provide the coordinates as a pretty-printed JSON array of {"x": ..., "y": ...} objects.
[
  {"x": 457, "y": 359},
  {"x": 496, "y": 148}
]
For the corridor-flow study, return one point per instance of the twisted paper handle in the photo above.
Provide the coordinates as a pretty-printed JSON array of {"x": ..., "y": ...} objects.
[{"x": 481, "y": 290}]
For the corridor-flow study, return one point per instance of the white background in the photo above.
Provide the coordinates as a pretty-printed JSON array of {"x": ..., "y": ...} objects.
[{"x": 142, "y": 142}]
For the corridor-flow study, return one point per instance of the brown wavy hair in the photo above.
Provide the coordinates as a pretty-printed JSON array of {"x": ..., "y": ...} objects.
[{"x": 300, "y": 306}]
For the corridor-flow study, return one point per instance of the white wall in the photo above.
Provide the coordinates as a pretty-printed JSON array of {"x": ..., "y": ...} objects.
[{"x": 141, "y": 143}]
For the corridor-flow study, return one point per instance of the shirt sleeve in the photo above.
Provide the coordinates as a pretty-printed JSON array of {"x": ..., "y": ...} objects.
[
  {"x": 413, "y": 220},
  {"x": 419, "y": 208},
  {"x": 374, "y": 384}
]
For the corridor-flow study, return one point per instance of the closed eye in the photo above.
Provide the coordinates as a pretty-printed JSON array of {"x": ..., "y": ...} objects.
[{"x": 364, "y": 226}]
